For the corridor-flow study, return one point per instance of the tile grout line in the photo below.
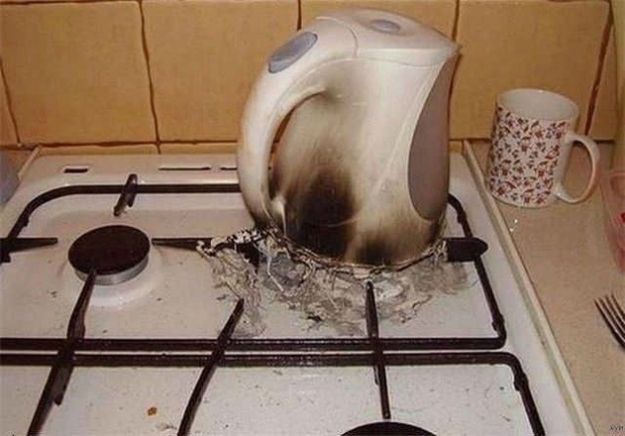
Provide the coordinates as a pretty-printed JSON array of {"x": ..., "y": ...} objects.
[
  {"x": 454, "y": 29},
  {"x": 146, "y": 55},
  {"x": 299, "y": 15},
  {"x": 594, "y": 92},
  {"x": 7, "y": 95}
]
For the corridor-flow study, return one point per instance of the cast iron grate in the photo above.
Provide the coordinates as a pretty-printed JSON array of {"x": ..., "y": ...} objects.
[
  {"x": 265, "y": 344},
  {"x": 75, "y": 350}
]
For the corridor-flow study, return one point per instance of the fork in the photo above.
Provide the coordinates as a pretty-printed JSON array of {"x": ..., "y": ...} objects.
[{"x": 614, "y": 317}]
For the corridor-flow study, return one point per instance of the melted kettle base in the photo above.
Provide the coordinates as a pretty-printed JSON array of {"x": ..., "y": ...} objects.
[{"x": 325, "y": 295}]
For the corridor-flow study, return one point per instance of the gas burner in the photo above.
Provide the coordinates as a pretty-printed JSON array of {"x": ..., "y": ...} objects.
[
  {"x": 387, "y": 428},
  {"x": 117, "y": 253}
]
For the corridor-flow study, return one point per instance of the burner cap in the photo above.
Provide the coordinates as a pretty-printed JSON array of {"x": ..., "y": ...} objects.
[
  {"x": 387, "y": 428},
  {"x": 117, "y": 253}
]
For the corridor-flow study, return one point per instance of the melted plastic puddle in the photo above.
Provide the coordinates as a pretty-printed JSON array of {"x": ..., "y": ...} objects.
[{"x": 324, "y": 295}]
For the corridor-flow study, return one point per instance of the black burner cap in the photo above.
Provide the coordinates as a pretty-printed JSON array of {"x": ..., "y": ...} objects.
[
  {"x": 387, "y": 428},
  {"x": 117, "y": 253}
]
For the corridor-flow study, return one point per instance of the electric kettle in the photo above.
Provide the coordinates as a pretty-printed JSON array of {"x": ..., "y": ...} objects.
[{"x": 361, "y": 172}]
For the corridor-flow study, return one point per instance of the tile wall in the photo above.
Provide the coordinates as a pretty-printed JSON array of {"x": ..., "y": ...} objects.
[{"x": 173, "y": 75}]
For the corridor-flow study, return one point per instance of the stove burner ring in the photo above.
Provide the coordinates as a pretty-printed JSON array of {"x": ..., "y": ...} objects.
[
  {"x": 387, "y": 428},
  {"x": 117, "y": 253}
]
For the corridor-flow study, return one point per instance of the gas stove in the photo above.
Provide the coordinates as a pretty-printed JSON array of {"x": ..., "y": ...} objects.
[{"x": 113, "y": 323}]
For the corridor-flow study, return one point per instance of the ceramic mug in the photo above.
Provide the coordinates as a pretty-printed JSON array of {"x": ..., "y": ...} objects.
[{"x": 530, "y": 146}]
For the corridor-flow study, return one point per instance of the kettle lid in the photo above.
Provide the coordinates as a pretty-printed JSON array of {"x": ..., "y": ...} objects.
[{"x": 387, "y": 36}]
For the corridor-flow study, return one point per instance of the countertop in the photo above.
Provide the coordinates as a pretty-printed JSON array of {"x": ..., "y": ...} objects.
[{"x": 566, "y": 254}]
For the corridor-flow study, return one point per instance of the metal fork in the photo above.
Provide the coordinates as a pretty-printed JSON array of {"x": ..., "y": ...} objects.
[{"x": 614, "y": 317}]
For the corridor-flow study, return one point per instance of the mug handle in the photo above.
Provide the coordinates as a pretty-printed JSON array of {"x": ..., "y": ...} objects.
[{"x": 593, "y": 152}]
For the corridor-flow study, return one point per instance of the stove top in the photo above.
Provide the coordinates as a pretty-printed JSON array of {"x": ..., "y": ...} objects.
[{"x": 138, "y": 337}]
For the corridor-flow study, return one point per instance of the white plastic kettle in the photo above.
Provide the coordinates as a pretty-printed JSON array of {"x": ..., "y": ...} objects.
[{"x": 361, "y": 173}]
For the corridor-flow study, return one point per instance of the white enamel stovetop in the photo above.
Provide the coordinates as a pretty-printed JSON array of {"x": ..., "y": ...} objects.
[{"x": 174, "y": 298}]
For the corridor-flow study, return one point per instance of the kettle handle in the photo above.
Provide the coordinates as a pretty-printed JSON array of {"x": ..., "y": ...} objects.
[
  {"x": 292, "y": 74},
  {"x": 263, "y": 115}
]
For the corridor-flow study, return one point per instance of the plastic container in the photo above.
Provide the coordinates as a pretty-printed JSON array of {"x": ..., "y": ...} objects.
[{"x": 613, "y": 193}]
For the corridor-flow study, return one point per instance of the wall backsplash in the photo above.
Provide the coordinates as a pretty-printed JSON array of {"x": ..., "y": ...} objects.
[{"x": 173, "y": 72}]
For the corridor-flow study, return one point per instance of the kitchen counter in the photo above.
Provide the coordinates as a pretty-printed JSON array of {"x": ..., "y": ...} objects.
[{"x": 566, "y": 255}]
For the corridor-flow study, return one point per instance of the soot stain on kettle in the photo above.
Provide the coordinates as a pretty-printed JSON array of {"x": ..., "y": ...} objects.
[
  {"x": 398, "y": 240},
  {"x": 375, "y": 251},
  {"x": 320, "y": 204},
  {"x": 320, "y": 198}
]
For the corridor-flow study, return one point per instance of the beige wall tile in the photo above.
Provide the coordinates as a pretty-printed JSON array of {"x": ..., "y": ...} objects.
[
  {"x": 7, "y": 130},
  {"x": 436, "y": 13},
  {"x": 603, "y": 125},
  {"x": 523, "y": 43},
  {"x": 199, "y": 148},
  {"x": 77, "y": 72},
  {"x": 98, "y": 149},
  {"x": 204, "y": 57},
  {"x": 456, "y": 146}
]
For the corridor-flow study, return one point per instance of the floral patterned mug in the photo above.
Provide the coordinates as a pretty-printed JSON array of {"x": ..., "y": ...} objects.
[{"x": 530, "y": 145}]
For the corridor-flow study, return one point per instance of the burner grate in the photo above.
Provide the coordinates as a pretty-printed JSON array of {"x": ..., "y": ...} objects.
[
  {"x": 59, "y": 376},
  {"x": 209, "y": 368},
  {"x": 285, "y": 344},
  {"x": 67, "y": 358},
  {"x": 12, "y": 245},
  {"x": 77, "y": 351}
]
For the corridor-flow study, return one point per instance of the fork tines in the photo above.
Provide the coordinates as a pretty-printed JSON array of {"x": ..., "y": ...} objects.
[{"x": 614, "y": 317}]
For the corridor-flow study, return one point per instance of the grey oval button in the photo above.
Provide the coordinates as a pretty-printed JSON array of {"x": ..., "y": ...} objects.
[
  {"x": 290, "y": 52},
  {"x": 385, "y": 26}
]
